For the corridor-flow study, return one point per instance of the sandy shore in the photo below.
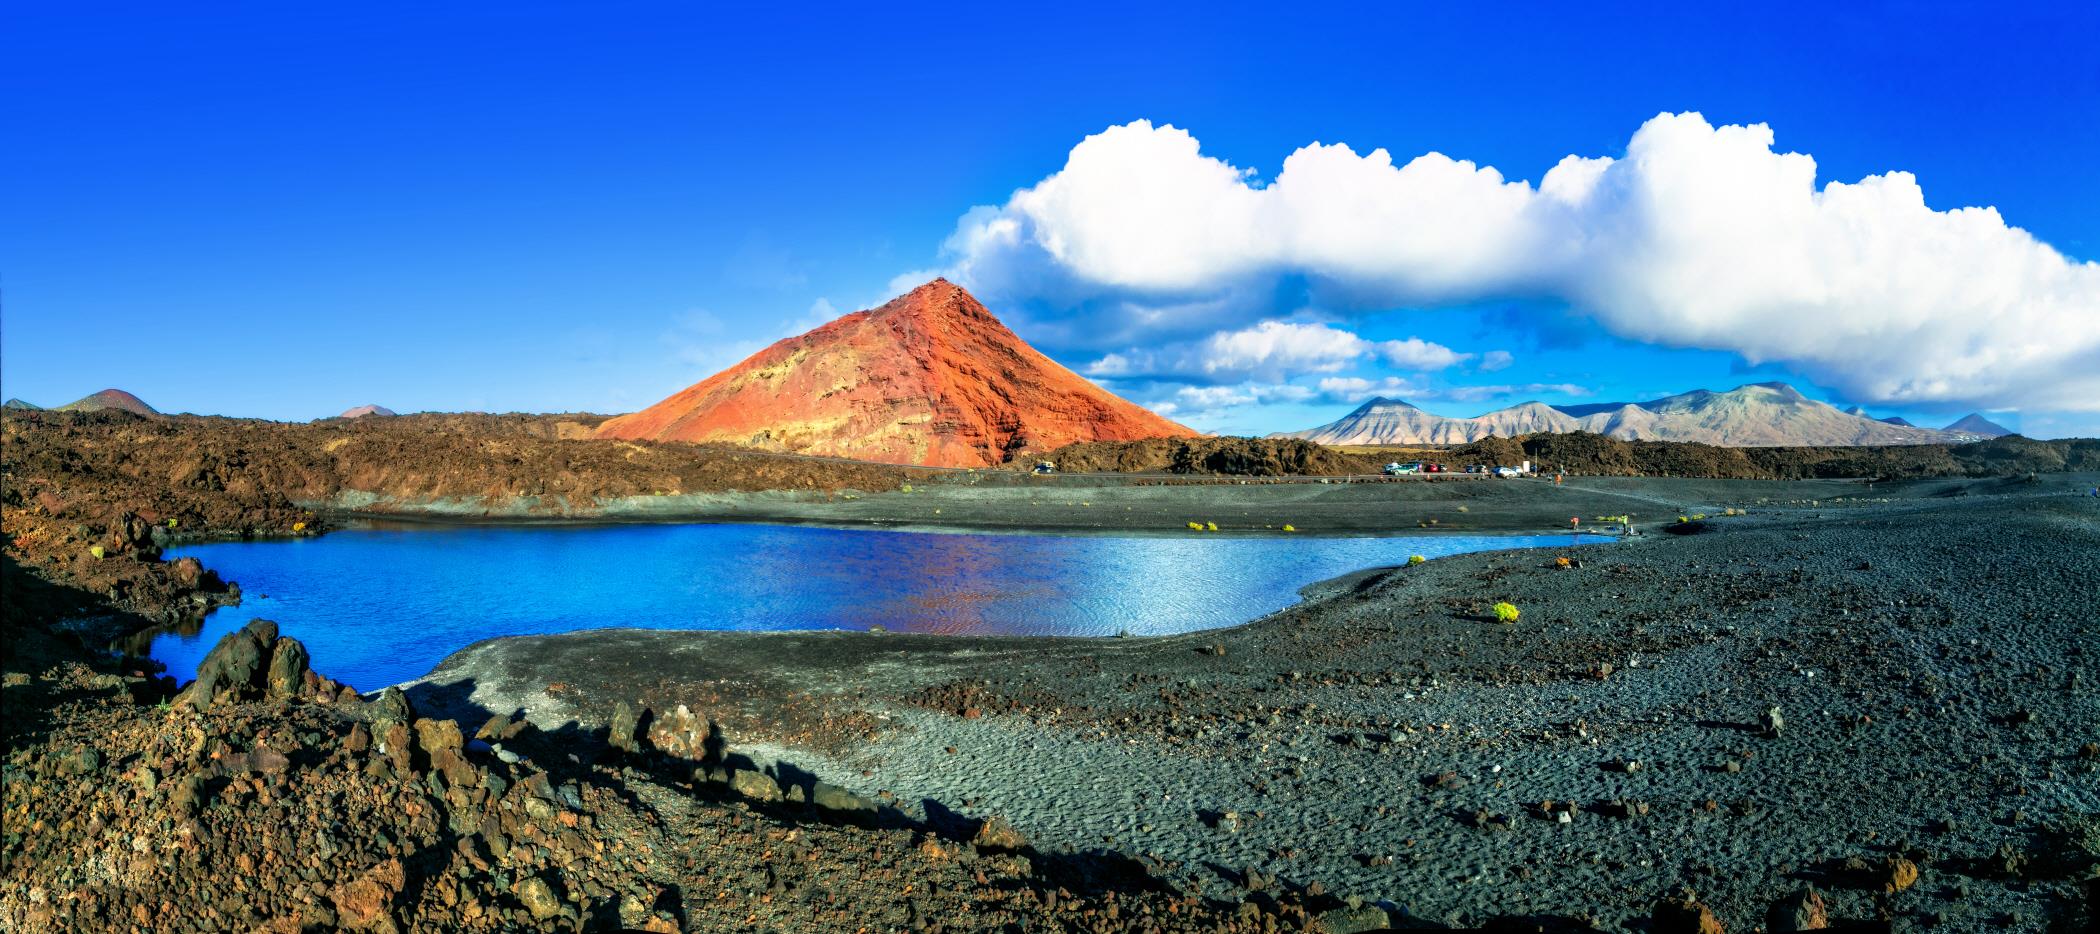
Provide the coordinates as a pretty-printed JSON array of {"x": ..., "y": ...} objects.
[{"x": 1930, "y": 646}]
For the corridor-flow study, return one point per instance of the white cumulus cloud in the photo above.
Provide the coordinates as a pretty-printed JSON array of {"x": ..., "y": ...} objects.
[
  {"x": 1273, "y": 350},
  {"x": 1697, "y": 236}
]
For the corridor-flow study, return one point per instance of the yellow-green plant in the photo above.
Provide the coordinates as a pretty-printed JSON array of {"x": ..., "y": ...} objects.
[
  {"x": 1212, "y": 526},
  {"x": 1196, "y": 526},
  {"x": 95, "y": 550},
  {"x": 171, "y": 523},
  {"x": 1416, "y": 559},
  {"x": 1289, "y": 527},
  {"x": 1506, "y": 612}
]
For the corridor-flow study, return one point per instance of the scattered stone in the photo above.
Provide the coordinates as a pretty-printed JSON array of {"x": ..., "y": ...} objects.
[
  {"x": 539, "y": 898},
  {"x": 1900, "y": 874},
  {"x": 994, "y": 833},
  {"x": 1358, "y": 920},
  {"x": 757, "y": 786},
  {"x": 393, "y": 705},
  {"x": 624, "y": 732},
  {"x": 288, "y": 670},
  {"x": 1683, "y": 915},
  {"x": 1772, "y": 722},
  {"x": 366, "y": 902},
  {"x": 1804, "y": 910},
  {"x": 683, "y": 734}
]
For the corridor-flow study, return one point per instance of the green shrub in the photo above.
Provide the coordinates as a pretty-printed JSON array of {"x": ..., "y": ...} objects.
[
  {"x": 1506, "y": 612},
  {"x": 95, "y": 550},
  {"x": 1415, "y": 559}
]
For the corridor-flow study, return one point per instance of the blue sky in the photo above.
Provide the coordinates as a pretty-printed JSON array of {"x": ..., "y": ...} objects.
[{"x": 282, "y": 212}]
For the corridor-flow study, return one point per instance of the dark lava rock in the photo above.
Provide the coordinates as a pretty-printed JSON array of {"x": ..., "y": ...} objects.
[
  {"x": 1358, "y": 920},
  {"x": 841, "y": 803},
  {"x": 393, "y": 705},
  {"x": 1802, "y": 911},
  {"x": 623, "y": 732},
  {"x": 1683, "y": 915},
  {"x": 757, "y": 786},
  {"x": 289, "y": 668}
]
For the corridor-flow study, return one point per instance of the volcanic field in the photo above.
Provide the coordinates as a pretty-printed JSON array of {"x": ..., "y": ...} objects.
[{"x": 1830, "y": 701}]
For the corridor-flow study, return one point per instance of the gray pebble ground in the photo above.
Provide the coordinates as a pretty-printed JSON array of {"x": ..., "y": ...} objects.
[{"x": 1930, "y": 647}]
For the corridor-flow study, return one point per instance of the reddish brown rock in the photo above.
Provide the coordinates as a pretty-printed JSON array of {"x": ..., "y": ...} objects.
[
  {"x": 996, "y": 834},
  {"x": 930, "y": 378},
  {"x": 366, "y": 902}
]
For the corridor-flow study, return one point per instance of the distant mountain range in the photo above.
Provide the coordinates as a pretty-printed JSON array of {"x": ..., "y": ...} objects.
[
  {"x": 1756, "y": 415},
  {"x": 364, "y": 410}
]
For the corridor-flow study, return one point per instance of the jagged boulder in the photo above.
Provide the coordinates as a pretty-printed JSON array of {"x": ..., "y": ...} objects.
[
  {"x": 249, "y": 664},
  {"x": 290, "y": 669},
  {"x": 393, "y": 705},
  {"x": 683, "y": 734},
  {"x": 624, "y": 732}
]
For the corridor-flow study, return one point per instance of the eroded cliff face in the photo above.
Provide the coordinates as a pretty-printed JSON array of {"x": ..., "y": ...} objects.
[{"x": 930, "y": 378}]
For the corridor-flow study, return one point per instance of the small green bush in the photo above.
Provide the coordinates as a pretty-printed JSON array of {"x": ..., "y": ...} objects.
[
  {"x": 95, "y": 550},
  {"x": 1416, "y": 559},
  {"x": 1506, "y": 612}
]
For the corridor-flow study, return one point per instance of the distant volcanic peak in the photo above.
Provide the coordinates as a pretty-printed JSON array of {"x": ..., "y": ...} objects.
[
  {"x": 1384, "y": 404},
  {"x": 19, "y": 404},
  {"x": 110, "y": 399},
  {"x": 1975, "y": 424},
  {"x": 1899, "y": 421},
  {"x": 1783, "y": 390},
  {"x": 364, "y": 410},
  {"x": 931, "y": 377}
]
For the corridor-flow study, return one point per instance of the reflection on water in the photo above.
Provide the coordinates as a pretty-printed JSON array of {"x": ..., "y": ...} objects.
[{"x": 382, "y": 605}]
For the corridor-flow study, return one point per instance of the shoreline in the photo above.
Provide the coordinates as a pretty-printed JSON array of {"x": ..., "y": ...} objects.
[{"x": 1353, "y": 703}]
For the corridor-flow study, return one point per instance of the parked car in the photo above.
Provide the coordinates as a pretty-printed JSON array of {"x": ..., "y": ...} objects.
[
  {"x": 1396, "y": 469},
  {"x": 1508, "y": 473}
]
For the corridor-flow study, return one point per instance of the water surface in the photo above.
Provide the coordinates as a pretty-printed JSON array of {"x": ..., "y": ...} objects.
[{"x": 378, "y": 606}]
